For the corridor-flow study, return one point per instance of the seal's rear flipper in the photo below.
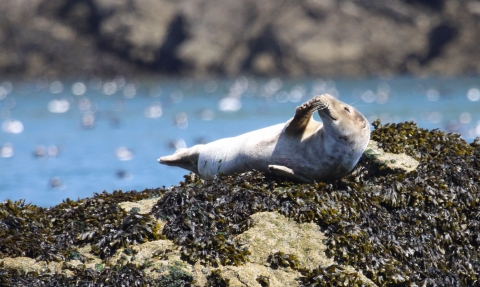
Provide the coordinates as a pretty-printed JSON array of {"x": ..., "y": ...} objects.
[
  {"x": 283, "y": 171},
  {"x": 184, "y": 158}
]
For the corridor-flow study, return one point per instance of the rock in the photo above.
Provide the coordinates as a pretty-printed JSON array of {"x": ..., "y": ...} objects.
[
  {"x": 394, "y": 162},
  {"x": 207, "y": 38},
  {"x": 374, "y": 227},
  {"x": 37, "y": 43},
  {"x": 144, "y": 206}
]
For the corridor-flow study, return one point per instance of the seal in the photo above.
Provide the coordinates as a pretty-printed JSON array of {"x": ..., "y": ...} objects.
[{"x": 302, "y": 149}]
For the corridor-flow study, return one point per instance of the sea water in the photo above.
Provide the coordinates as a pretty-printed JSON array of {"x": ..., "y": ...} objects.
[{"x": 69, "y": 139}]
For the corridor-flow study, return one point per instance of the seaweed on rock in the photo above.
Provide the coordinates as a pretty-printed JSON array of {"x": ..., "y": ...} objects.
[
  {"x": 101, "y": 222},
  {"x": 202, "y": 216},
  {"x": 397, "y": 228},
  {"x": 263, "y": 280},
  {"x": 175, "y": 278},
  {"x": 126, "y": 275},
  {"x": 280, "y": 259},
  {"x": 25, "y": 231},
  {"x": 216, "y": 279},
  {"x": 53, "y": 234},
  {"x": 133, "y": 229},
  {"x": 333, "y": 275},
  {"x": 416, "y": 228}
]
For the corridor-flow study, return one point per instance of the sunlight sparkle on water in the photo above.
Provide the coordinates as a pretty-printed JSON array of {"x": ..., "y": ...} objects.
[
  {"x": 210, "y": 86},
  {"x": 58, "y": 106},
  {"x": 12, "y": 126},
  {"x": 130, "y": 91},
  {"x": 154, "y": 111},
  {"x": 433, "y": 95},
  {"x": 6, "y": 150},
  {"x": 56, "y": 87},
  {"x": 465, "y": 118},
  {"x": 176, "y": 97},
  {"x": 229, "y": 104},
  {"x": 207, "y": 115},
  {"x": 473, "y": 94},
  {"x": 181, "y": 120},
  {"x": 109, "y": 88},
  {"x": 3, "y": 92},
  {"x": 79, "y": 88},
  {"x": 123, "y": 153}
]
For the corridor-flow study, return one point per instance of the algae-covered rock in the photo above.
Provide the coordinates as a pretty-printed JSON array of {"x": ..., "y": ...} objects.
[{"x": 412, "y": 222}]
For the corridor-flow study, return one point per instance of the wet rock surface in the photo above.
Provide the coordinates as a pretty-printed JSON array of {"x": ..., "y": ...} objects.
[
  {"x": 378, "y": 226},
  {"x": 78, "y": 38}
]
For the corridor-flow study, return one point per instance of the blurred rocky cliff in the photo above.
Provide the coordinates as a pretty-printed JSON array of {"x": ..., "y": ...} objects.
[{"x": 72, "y": 38}]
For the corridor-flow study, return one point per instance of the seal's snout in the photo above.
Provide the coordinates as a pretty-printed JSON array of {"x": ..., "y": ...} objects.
[{"x": 326, "y": 107}]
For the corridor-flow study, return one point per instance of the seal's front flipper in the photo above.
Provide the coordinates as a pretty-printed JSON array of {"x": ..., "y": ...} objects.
[
  {"x": 184, "y": 158},
  {"x": 283, "y": 171},
  {"x": 303, "y": 119}
]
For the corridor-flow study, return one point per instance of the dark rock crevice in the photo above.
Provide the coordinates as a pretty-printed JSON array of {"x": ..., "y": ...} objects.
[
  {"x": 265, "y": 44},
  {"x": 167, "y": 59},
  {"x": 438, "y": 38},
  {"x": 436, "y": 5},
  {"x": 84, "y": 16}
]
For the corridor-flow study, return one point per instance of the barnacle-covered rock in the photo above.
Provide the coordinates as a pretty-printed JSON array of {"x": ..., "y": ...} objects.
[
  {"x": 144, "y": 206},
  {"x": 273, "y": 233},
  {"x": 247, "y": 275},
  {"x": 386, "y": 160},
  {"x": 27, "y": 264}
]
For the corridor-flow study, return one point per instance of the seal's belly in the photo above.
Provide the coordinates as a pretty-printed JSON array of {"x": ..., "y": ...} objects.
[{"x": 248, "y": 151}]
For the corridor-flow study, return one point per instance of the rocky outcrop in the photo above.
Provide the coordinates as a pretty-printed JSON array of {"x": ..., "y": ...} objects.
[
  {"x": 210, "y": 38},
  {"x": 407, "y": 215}
]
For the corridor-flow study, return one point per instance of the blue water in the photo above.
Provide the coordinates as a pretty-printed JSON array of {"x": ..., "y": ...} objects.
[{"x": 74, "y": 138}]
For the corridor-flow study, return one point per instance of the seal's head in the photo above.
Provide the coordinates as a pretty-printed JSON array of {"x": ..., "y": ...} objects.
[{"x": 343, "y": 122}]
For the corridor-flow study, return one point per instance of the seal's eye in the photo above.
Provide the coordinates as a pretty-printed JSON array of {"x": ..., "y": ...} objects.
[{"x": 347, "y": 109}]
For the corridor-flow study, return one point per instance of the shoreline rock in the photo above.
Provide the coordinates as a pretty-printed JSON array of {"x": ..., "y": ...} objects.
[
  {"x": 352, "y": 38},
  {"x": 379, "y": 226}
]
